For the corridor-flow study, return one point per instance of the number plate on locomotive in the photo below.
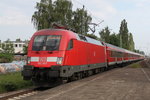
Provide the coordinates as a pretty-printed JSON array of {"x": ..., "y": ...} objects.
[{"x": 43, "y": 60}]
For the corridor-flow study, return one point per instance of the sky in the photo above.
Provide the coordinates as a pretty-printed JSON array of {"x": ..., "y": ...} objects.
[{"x": 15, "y": 18}]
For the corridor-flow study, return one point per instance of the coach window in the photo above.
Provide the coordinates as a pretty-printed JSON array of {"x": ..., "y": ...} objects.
[
  {"x": 82, "y": 38},
  {"x": 113, "y": 54},
  {"x": 70, "y": 45},
  {"x": 102, "y": 43},
  {"x": 16, "y": 45},
  {"x": 20, "y": 45}
]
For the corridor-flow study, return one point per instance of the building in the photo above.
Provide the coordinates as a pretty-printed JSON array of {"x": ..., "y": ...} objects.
[{"x": 18, "y": 45}]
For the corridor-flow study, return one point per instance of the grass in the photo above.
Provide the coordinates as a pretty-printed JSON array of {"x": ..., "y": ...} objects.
[
  {"x": 136, "y": 65},
  {"x": 13, "y": 81}
]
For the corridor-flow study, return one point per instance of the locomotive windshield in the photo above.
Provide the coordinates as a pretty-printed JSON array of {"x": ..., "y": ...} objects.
[{"x": 46, "y": 43}]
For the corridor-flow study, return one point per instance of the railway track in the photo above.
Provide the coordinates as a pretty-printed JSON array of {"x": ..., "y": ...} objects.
[
  {"x": 22, "y": 93},
  {"x": 25, "y": 93},
  {"x": 18, "y": 94}
]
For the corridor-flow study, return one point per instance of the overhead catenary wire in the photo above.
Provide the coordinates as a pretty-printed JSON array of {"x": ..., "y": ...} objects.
[
  {"x": 97, "y": 19},
  {"x": 88, "y": 10}
]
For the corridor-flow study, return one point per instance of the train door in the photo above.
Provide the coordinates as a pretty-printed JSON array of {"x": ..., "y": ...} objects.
[
  {"x": 106, "y": 53},
  {"x": 89, "y": 53}
]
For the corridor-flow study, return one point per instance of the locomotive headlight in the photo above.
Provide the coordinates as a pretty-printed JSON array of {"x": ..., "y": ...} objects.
[
  {"x": 28, "y": 60},
  {"x": 59, "y": 60}
]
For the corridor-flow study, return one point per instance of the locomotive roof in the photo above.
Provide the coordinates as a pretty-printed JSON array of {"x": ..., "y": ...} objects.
[
  {"x": 56, "y": 31},
  {"x": 88, "y": 39},
  {"x": 78, "y": 36},
  {"x": 52, "y": 29},
  {"x": 91, "y": 40}
]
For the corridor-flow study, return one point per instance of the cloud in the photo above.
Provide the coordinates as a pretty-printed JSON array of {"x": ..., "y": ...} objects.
[
  {"x": 105, "y": 12},
  {"x": 14, "y": 18},
  {"x": 138, "y": 3},
  {"x": 17, "y": 13},
  {"x": 100, "y": 8},
  {"x": 142, "y": 3}
]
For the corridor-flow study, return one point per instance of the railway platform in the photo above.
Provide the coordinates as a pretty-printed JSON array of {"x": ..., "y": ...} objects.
[{"x": 125, "y": 83}]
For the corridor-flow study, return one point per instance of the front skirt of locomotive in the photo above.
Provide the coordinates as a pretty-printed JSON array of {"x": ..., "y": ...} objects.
[
  {"x": 45, "y": 74},
  {"x": 40, "y": 74}
]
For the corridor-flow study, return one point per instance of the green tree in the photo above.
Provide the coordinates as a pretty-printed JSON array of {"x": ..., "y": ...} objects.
[
  {"x": 126, "y": 38},
  {"x": 63, "y": 12},
  {"x": 105, "y": 34},
  {"x": 60, "y": 12},
  {"x": 7, "y": 47},
  {"x": 140, "y": 52},
  {"x": 131, "y": 42},
  {"x": 6, "y": 52},
  {"x": 25, "y": 49},
  {"x": 18, "y": 40},
  {"x": 114, "y": 39},
  {"x": 48, "y": 13},
  {"x": 123, "y": 34},
  {"x": 81, "y": 21},
  {"x": 92, "y": 36},
  {"x": 43, "y": 17}
]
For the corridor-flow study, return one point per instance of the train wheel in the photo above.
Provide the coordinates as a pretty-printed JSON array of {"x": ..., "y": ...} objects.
[
  {"x": 72, "y": 78},
  {"x": 79, "y": 76}
]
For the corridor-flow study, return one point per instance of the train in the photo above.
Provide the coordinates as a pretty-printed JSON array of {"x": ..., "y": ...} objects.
[{"x": 63, "y": 54}]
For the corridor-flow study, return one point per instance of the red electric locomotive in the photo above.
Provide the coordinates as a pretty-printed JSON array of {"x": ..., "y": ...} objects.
[{"x": 59, "y": 53}]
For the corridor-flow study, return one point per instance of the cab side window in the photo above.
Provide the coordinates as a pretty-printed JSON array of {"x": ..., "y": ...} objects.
[{"x": 70, "y": 45}]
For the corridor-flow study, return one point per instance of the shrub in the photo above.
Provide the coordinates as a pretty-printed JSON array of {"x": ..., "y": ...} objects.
[
  {"x": 13, "y": 81},
  {"x": 6, "y": 57},
  {"x": 10, "y": 86}
]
